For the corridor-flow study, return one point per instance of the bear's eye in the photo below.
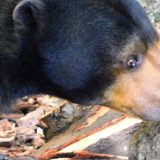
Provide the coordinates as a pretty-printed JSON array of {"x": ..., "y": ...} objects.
[{"x": 132, "y": 62}]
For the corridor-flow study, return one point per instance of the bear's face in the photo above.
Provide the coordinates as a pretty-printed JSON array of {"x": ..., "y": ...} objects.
[
  {"x": 137, "y": 92},
  {"x": 95, "y": 52}
]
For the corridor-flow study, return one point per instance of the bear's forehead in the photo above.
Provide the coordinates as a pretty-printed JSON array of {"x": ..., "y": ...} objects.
[
  {"x": 92, "y": 26},
  {"x": 105, "y": 16}
]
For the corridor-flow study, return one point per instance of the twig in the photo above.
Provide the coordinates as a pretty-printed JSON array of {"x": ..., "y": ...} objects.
[
  {"x": 52, "y": 154},
  {"x": 50, "y": 112}
]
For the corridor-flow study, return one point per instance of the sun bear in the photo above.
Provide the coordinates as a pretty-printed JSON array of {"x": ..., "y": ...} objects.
[{"x": 86, "y": 51}]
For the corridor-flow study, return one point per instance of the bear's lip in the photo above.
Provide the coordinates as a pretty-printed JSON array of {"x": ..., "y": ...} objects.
[{"x": 148, "y": 114}]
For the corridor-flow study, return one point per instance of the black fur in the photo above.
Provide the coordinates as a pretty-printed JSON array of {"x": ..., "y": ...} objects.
[{"x": 66, "y": 48}]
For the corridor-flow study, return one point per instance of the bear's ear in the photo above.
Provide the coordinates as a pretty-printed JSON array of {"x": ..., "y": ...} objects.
[
  {"x": 28, "y": 16},
  {"x": 134, "y": 11}
]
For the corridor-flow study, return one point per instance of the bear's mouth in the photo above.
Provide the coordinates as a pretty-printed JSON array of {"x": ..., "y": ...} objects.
[{"x": 148, "y": 114}]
